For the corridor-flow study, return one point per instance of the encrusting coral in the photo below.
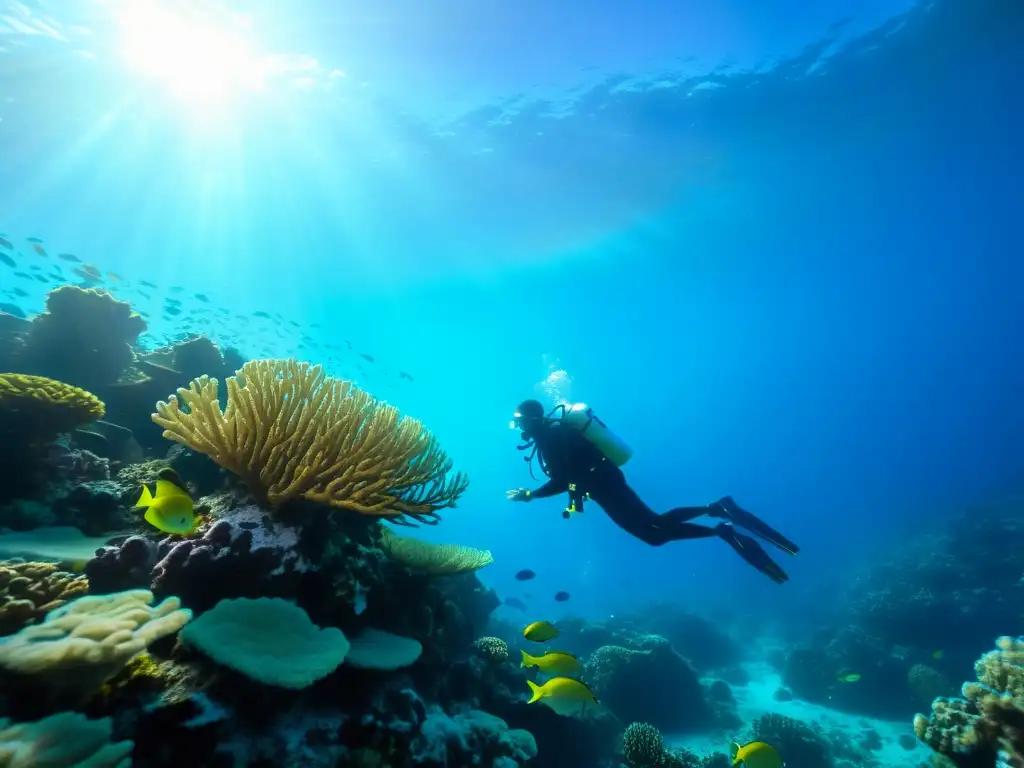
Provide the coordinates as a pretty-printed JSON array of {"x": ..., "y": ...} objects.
[
  {"x": 433, "y": 559},
  {"x": 290, "y": 431},
  {"x": 28, "y": 591}
]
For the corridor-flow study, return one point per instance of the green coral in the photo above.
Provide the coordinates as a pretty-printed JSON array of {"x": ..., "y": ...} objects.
[
  {"x": 64, "y": 740},
  {"x": 268, "y": 640}
]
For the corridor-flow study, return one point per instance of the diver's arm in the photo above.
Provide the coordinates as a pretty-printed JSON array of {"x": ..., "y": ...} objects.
[{"x": 552, "y": 487}]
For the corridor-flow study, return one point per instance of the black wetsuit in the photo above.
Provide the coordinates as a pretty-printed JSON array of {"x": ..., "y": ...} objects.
[
  {"x": 573, "y": 462},
  {"x": 570, "y": 458}
]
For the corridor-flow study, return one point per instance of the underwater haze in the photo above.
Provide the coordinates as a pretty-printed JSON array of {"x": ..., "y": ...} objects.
[{"x": 776, "y": 246}]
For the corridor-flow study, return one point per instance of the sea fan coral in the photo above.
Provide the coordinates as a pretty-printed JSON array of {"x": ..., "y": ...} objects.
[{"x": 290, "y": 431}]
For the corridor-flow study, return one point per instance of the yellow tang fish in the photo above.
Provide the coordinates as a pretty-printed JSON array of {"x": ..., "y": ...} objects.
[
  {"x": 553, "y": 662},
  {"x": 169, "y": 509},
  {"x": 756, "y": 754},
  {"x": 540, "y": 632},
  {"x": 564, "y": 695}
]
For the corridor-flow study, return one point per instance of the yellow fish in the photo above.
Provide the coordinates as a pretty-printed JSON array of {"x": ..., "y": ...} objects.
[
  {"x": 852, "y": 677},
  {"x": 936, "y": 655},
  {"x": 756, "y": 754},
  {"x": 540, "y": 632},
  {"x": 553, "y": 662},
  {"x": 169, "y": 509},
  {"x": 564, "y": 695}
]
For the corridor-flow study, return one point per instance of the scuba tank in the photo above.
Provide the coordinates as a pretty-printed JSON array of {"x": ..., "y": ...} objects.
[{"x": 582, "y": 418}]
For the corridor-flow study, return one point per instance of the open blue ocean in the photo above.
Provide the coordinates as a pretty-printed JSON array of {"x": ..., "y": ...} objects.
[{"x": 549, "y": 384}]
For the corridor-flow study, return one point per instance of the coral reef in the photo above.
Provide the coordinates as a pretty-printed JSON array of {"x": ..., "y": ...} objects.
[
  {"x": 33, "y": 411},
  {"x": 653, "y": 685},
  {"x": 801, "y": 744},
  {"x": 85, "y": 337},
  {"x": 28, "y": 591},
  {"x": 290, "y": 432},
  {"x": 989, "y": 719},
  {"x": 643, "y": 746},
  {"x": 492, "y": 648},
  {"x": 160, "y": 371},
  {"x": 65, "y": 740},
  {"x": 320, "y": 637}
]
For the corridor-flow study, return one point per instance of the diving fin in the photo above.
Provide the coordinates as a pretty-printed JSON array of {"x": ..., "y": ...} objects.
[
  {"x": 752, "y": 552},
  {"x": 726, "y": 508}
]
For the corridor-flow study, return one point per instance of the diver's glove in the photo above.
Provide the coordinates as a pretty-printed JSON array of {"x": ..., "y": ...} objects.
[{"x": 520, "y": 494}]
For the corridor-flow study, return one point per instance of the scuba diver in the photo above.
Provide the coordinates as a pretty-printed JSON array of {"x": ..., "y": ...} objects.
[{"x": 583, "y": 457}]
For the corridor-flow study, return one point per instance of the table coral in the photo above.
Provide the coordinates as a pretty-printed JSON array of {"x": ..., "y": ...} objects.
[
  {"x": 40, "y": 408},
  {"x": 432, "y": 558},
  {"x": 290, "y": 431}
]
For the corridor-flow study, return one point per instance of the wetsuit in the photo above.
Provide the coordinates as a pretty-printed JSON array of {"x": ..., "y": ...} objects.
[{"x": 570, "y": 459}]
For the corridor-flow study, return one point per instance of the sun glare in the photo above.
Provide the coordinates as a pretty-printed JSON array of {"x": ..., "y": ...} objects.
[{"x": 199, "y": 59}]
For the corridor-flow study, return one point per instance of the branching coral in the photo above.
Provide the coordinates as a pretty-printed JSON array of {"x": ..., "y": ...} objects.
[
  {"x": 989, "y": 718},
  {"x": 434, "y": 559},
  {"x": 290, "y": 432},
  {"x": 28, "y": 591}
]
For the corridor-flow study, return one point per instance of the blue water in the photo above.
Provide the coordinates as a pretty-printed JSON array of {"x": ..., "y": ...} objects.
[{"x": 778, "y": 249}]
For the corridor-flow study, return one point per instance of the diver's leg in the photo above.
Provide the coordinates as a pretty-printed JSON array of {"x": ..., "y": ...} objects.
[
  {"x": 684, "y": 514},
  {"x": 628, "y": 511},
  {"x": 727, "y": 509},
  {"x": 752, "y": 552}
]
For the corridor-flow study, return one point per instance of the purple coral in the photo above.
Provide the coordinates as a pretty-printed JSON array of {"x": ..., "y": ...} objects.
[{"x": 242, "y": 555}]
